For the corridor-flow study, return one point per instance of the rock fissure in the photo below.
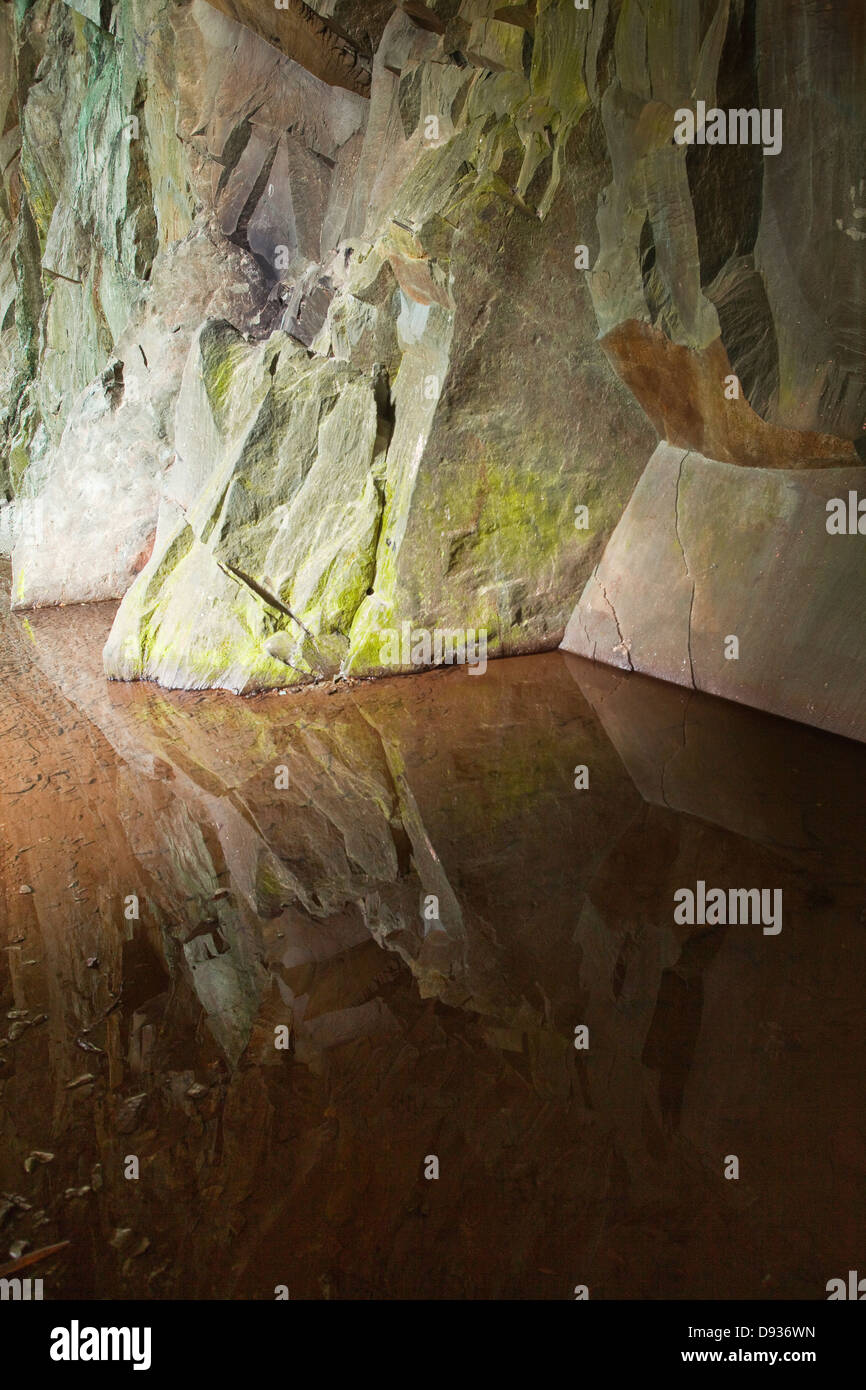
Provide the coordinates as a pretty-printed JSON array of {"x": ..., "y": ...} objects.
[{"x": 622, "y": 646}]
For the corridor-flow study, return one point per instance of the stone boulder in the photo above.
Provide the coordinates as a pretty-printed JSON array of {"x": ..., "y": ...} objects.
[
  {"x": 268, "y": 531},
  {"x": 728, "y": 580}
]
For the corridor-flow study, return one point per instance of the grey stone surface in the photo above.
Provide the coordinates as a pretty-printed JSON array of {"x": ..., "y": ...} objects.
[{"x": 706, "y": 551}]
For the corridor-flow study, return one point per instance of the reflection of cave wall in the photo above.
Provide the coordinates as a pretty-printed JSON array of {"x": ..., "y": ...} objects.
[{"x": 303, "y": 907}]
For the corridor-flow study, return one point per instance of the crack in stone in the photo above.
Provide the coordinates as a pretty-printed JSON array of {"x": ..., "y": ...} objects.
[
  {"x": 623, "y": 645},
  {"x": 264, "y": 594},
  {"x": 685, "y": 456},
  {"x": 589, "y": 641}
]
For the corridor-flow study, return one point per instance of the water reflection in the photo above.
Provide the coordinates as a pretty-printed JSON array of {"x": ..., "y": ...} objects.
[{"x": 282, "y": 851}]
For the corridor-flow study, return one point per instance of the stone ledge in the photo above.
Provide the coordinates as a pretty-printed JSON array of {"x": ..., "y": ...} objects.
[{"x": 708, "y": 550}]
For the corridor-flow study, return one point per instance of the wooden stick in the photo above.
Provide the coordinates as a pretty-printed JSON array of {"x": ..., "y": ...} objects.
[{"x": 33, "y": 1258}]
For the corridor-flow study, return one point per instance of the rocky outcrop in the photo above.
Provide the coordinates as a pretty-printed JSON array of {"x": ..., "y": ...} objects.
[
  {"x": 708, "y": 251},
  {"x": 287, "y": 451},
  {"x": 728, "y": 581},
  {"x": 100, "y": 487},
  {"x": 493, "y": 264},
  {"x": 447, "y": 264},
  {"x": 135, "y": 188},
  {"x": 729, "y": 288},
  {"x": 298, "y": 31},
  {"x": 421, "y": 242}
]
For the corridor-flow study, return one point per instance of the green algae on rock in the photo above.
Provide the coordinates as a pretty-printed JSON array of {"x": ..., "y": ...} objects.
[{"x": 284, "y": 523}]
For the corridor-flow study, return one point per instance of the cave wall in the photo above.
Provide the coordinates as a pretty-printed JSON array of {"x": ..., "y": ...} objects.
[
  {"x": 728, "y": 571},
  {"x": 431, "y": 276},
  {"x": 293, "y": 356}
]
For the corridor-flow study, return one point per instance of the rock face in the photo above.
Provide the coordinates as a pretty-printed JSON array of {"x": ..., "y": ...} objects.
[
  {"x": 391, "y": 405},
  {"x": 101, "y": 483},
  {"x": 727, "y": 581},
  {"x": 297, "y": 30},
  {"x": 708, "y": 251},
  {"x": 145, "y": 144},
  {"x": 325, "y": 320},
  {"x": 441, "y": 271},
  {"x": 724, "y": 573},
  {"x": 287, "y": 453}
]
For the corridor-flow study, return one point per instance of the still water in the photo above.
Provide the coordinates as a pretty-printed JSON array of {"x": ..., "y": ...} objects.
[{"x": 189, "y": 879}]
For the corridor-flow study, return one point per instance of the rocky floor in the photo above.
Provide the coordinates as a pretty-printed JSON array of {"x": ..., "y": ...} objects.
[{"x": 286, "y": 857}]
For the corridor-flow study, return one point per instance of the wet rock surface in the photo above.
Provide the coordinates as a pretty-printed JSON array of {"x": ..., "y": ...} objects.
[{"x": 282, "y": 851}]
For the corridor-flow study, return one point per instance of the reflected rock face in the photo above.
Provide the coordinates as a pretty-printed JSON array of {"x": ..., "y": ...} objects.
[{"x": 284, "y": 951}]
